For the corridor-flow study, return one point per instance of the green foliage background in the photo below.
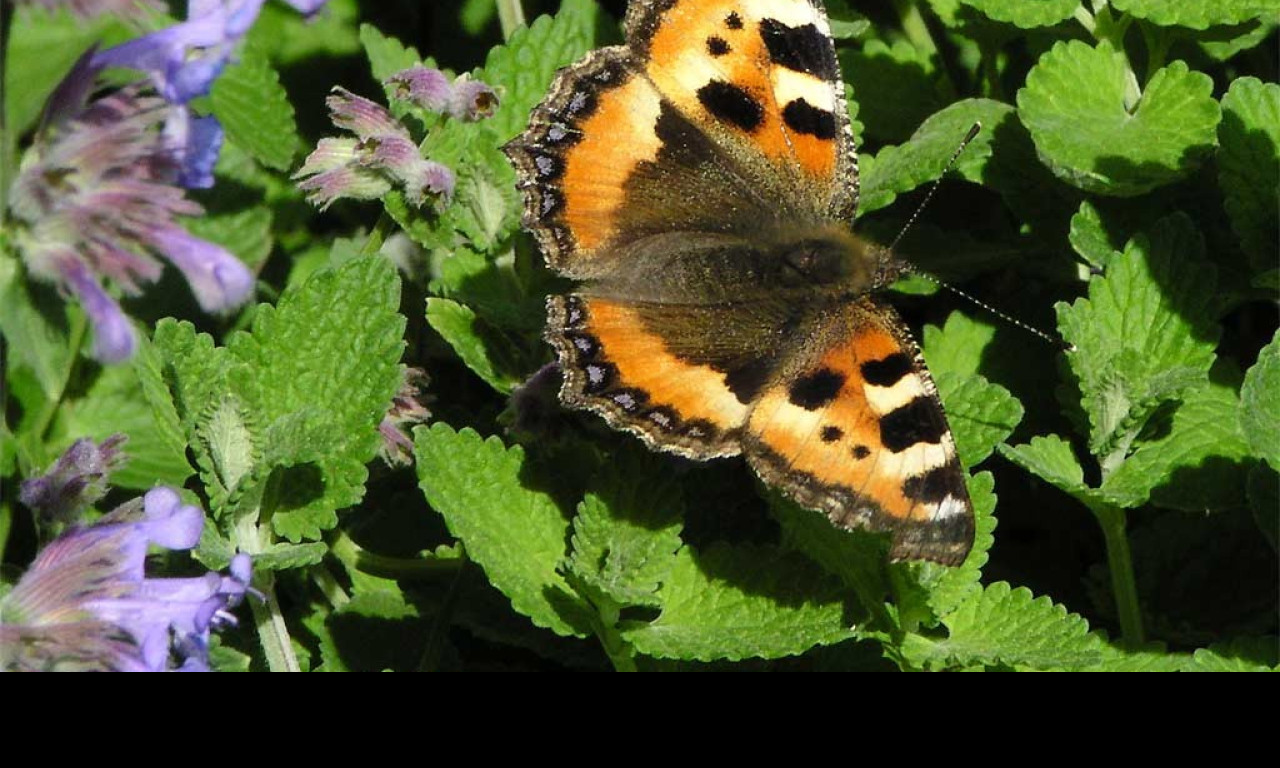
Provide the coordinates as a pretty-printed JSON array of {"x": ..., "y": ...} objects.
[{"x": 1123, "y": 191}]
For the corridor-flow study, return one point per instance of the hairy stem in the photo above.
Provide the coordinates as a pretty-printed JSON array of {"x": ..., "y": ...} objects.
[
  {"x": 1124, "y": 587},
  {"x": 1157, "y": 40},
  {"x": 6, "y": 523},
  {"x": 429, "y": 661},
  {"x": 387, "y": 567},
  {"x": 79, "y": 329},
  {"x": 277, "y": 646},
  {"x": 915, "y": 28},
  {"x": 510, "y": 16},
  {"x": 8, "y": 142},
  {"x": 329, "y": 586}
]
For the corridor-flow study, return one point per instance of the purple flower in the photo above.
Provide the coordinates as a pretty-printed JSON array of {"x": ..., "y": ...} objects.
[
  {"x": 464, "y": 99},
  {"x": 365, "y": 168},
  {"x": 87, "y": 604},
  {"x": 96, "y": 199},
  {"x": 407, "y": 411},
  {"x": 77, "y": 480},
  {"x": 89, "y": 9},
  {"x": 184, "y": 60}
]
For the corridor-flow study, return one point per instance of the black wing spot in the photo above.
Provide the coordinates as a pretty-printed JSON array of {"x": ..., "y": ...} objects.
[
  {"x": 887, "y": 372},
  {"x": 830, "y": 434},
  {"x": 733, "y": 20},
  {"x": 935, "y": 485},
  {"x": 746, "y": 381},
  {"x": 860, "y": 452},
  {"x": 815, "y": 390},
  {"x": 717, "y": 46},
  {"x": 802, "y": 117},
  {"x": 919, "y": 421},
  {"x": 803, "y": 49},
  {"x": 731, "y": 104}
]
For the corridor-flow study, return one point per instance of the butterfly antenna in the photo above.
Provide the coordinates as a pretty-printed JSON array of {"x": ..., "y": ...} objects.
[
  {"x": 907, "y": 267},
  {"x": 970, "y": 136},
  {"x": 1058, "y": 342}
]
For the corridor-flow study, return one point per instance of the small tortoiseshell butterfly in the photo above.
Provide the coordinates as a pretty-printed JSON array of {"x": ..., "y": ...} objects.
[{"x": 700, "y": 182}]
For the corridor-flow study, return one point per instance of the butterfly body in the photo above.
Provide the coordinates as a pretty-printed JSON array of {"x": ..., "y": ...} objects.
[{"x": 700, "y": 182}]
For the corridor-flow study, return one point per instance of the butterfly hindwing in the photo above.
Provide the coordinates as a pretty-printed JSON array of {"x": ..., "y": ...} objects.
[
  {"x": 615, "y": 364},
  {"x": 853, "y": 426}
]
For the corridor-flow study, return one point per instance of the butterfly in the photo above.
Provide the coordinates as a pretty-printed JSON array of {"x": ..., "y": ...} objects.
[{"x": 699, "y": 183}]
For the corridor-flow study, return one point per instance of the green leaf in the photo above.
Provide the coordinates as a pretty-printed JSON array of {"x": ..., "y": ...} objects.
[
  {"x": 33, "y": 319},
  {"x": 493, "y": 289},
  {"x": 1051, "y": 458},
  {"x": 41, "y": 47},
  {"x": 282, "y": 557},
  {"x": 958, "y": 346},
  {"x": 1200, "y": 464},
  {"x": 1223, "y": 43},
  {"x": 1197, "y": 15},
  {"x": 627, "y": 531},
  {"x": 894, "y": 86},
  {"x": 1097, "y": 131},
  {"x": 255, "y": 111},
  {"x": 317, "y": 374},
  {"x": 858, "y": 557},
  {"x": 115, "y": 403},
  {"x": 1152, "y": 657},
  {"x": 387, "y": 55},
  {"x": 475, "y": 15},
  {"x": 147, "y": 366},
  {"x": 739, "y": 602},
  {"x": 1041, "y": 13},
  {"x": 233, "y": 449},
  {"x": 522, "y": 68},
  {"x": 292, "y": 38},
  {"x": 515, "y": 532},
  {"x": 484, "y": 206},
  {"x": 981, "y": 414},
  {"x": 923, "y": 157},
  {"x": 1260, "y": 404},
  {"x": 195, "y": 372},
  {"x": 1241, "y": 654},
  {"x": 846, "y": 23},
  {"x": 1144, "y": 334},
  {"x": 480, "y": 346},
  {"x": 1011, "y": 627},
  {"x": 1089, "y": 237},
  {"x": 1249, "y": 164}
]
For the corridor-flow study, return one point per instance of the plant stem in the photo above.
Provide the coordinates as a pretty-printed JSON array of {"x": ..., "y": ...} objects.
[
  {"x": 378, "y": 235},
  {"x": 329, "y": 586},
  {"x": 277, "y": 646},
  {"x": 510, "y": 16},
  {"x": 351, "y": 553},
  {"x": 1157, "y": 40},
  {"x": 915, "y": 28},
  {"x": 6, "y": 523},
  {"x": 1086, "y": 19},
  {"x": 79, "y": 329},
  {"x": 1124, "y": 587},
  {"x": 8, "y": 142},
  {"x": 605, "y": 625},
  {"x": 429, "y": 661}
]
